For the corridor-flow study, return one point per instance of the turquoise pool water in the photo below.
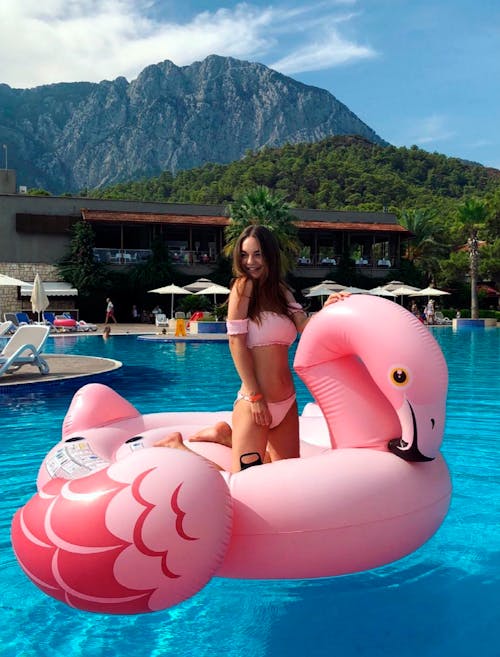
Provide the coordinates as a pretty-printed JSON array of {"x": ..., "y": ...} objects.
[{"x": 441, "y": 600}]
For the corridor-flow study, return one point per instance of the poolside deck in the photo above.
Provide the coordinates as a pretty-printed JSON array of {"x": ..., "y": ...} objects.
[{"x": 82, "y": 367}]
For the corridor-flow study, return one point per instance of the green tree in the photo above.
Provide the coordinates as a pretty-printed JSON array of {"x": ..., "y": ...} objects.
[
  {"x": 154, "y": 272},
  {"x": 262, "y": 207},
  {"x": 79, "y": 267},
  {"x": 473, "y": 213},
  {"x": 425, "y": 248}
]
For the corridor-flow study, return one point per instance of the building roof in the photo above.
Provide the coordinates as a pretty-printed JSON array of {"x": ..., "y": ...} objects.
[
  {"x": 305, "y": 219},
  {"x": 153, "y": 217},
  {"x": 352, "y": 226}
]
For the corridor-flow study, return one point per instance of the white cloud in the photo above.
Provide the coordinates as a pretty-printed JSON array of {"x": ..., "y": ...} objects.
[
  {"x": 71, "y": 40},
  {"x": 331, "y": 50},
  {"x": 431, "y": 129}
]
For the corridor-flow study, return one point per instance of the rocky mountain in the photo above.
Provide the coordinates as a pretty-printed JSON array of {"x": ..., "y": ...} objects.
[{"x": 71, "y": 136}]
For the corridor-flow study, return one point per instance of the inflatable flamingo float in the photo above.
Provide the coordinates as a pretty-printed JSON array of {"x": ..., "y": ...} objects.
[{"x": 118, "y": 526}]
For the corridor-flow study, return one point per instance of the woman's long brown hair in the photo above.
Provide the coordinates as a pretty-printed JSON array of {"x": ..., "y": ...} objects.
[{"x": 268, "y": 292}]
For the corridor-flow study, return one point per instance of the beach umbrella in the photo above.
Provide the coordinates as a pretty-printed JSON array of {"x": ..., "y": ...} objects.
[
  {"x": 199, "y": 284},
  {"x": 380, "y": 291},
  {"x": 214, "y": 289},
  {"x": 170, "y": 289},
  {"x": 333, "y": 286},
  {"x": 330, "y": 286},
  {"x": 320, "y": 291},
  {"x": 429, "y": 292},
  {"x": 488, "y": 290},
  {"x": 392, "y": 285},
  {"x": 39, "y": 299},
  {"x": 355, "y": 290},
  {"x": 404, "y": 290},
  {"x": 9, "y": 280}
]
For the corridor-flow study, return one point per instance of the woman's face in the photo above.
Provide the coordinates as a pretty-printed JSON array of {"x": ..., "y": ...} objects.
[{"x": 252, "y": 260}]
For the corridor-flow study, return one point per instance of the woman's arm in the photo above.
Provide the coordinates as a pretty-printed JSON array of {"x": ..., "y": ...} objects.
[
  {"x": 300, "y": 317},
  {"x": 242, "y": 355}
]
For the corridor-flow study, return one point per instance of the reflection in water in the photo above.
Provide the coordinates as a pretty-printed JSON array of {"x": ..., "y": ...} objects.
[
  {"x": 180, "y": 348},
  {"x": 440, "y": 600}
]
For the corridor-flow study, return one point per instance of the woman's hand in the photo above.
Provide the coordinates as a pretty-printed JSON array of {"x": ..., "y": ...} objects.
[
  {"x": 260, "y": 413},
  {"x": 336, "y": 296}
]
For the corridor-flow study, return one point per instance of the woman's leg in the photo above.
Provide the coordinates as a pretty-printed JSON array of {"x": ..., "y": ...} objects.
[
  {"x": 248, "y": 438},
  {"x": 284, "y": 439},
  {"x": 174, "y": 441},
  {"x": 220, "y": 433}
]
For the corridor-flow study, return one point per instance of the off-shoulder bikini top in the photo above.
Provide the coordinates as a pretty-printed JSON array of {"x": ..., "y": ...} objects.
[{"x": 273, "y": 328}]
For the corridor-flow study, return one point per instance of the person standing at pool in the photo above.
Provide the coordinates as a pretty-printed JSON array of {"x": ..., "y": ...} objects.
[
  {"x": 263, "y": 321},
  {"x": 110, "y": 311}
]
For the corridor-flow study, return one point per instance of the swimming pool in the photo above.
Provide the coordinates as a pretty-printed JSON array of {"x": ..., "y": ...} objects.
[{"x": 441, "y": 600}]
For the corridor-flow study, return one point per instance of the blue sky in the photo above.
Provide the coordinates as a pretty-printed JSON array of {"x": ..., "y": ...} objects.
[{"x": 422, "y": 72}]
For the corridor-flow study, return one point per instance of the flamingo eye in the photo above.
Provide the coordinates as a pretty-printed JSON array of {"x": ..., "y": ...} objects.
[{"x": 400, "y": 376}]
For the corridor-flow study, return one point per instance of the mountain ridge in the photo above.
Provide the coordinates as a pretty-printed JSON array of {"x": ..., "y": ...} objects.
[{"x": 71, "y": 136}]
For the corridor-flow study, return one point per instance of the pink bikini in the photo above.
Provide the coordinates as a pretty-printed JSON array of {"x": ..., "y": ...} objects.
[{"x": 273, "y": 329}]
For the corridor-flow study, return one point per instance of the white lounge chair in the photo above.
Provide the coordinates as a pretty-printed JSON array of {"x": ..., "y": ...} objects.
[
  {"x": 81, "y": 324},
  {"x": 6, "y": 327},
  {"x": 161, "y": 319},
  {"x": 439, "y": 318},
  {"x": 24, "y": 348}
]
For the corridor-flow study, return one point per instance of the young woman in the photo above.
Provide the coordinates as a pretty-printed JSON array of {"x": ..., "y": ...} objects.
[{"x": 262, "y": 322}]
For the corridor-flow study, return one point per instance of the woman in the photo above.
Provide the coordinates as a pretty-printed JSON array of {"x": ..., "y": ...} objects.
[{"x": 262, "y": 322}]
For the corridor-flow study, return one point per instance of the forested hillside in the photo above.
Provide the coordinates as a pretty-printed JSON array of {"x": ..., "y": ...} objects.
[{"x": 338, "y": 173}]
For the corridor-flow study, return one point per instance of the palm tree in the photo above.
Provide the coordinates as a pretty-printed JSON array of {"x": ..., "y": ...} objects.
[
  {"x": 424, "y": 249},
  {"x": 472, "y": 214},
  {"x": 263, "y": 207}
]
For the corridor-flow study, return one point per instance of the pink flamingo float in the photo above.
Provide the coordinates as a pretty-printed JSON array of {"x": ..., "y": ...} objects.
[{"x": 118, "y": 526}]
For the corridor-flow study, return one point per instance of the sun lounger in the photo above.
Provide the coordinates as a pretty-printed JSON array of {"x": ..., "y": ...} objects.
[
  {"x": 82, "y": 325},
  {"x": 6, "y": 327},
  {"x": 24, "y": 348},
  {"x": 439, "y": 318},
  {"x": 12, "y": 317},
  {"x": 23, "y": 318},
  {"x": 161, "y": 319}
]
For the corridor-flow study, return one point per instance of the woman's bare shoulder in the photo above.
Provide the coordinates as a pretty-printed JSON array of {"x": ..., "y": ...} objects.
[
  {"x": 242, "y": 287},
  {"x": 239, "y": 298}
]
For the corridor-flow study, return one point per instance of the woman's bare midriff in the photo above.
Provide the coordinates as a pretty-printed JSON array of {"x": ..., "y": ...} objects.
[{"x": 272, "y": 371}]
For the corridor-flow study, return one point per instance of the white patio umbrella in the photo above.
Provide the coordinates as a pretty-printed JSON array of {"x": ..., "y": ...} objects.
[
  {"x": 199, "y": 284},
  {"x": 404, "y": 291},
  {"x": 215, "y": 290},
  {"x": 380, "y": 291},
  {"x": 331, "y": 286},
  {"x": 170, "y": 289},
  {"x": 39, "y": 299},
  {"x": 9, "y": 280},
  {"x": 321, "y": 290},
  {"x": 429, "y": 292},
  {"x": 392, "y": 285},
  {"x": 356, "y": 290}
]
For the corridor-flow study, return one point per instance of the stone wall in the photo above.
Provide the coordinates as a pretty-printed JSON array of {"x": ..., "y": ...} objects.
[{"x": 10, "y": 302}]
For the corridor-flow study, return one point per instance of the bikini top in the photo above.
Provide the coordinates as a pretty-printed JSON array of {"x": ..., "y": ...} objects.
[{"x": 273, "y": 328}]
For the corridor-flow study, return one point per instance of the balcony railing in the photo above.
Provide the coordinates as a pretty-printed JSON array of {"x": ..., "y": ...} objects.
[
  {"x": 185, "y": 258},
  {"x": 121, "y": 256}
]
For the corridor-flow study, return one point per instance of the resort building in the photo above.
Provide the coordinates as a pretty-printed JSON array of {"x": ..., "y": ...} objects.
[{"x": 35, "y": 235}]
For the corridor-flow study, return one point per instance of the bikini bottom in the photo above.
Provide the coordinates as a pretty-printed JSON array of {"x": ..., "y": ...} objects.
[{"x": 278, "y": 410}]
